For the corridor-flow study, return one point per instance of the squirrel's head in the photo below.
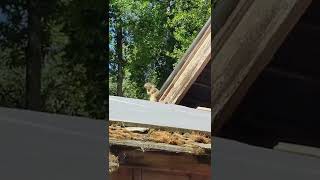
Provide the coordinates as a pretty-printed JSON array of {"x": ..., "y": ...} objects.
[{"x": 148, "y": 85}]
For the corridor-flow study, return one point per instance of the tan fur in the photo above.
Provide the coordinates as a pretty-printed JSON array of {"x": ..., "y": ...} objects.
[{"x": 152, "y": 91}]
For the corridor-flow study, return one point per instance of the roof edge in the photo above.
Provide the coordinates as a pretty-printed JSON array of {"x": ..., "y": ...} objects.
[
  {"x": 222, "y": 10},
  {"x": 184, "y": 57}
]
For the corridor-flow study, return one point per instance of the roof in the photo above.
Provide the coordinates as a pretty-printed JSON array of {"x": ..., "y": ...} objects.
[
  {"x": 145, "y": 134},
  {"x": 244, "y": 46},
  {"x": 190, "y": 82},
  {"x": 149, "y": 148},
  {"x": 268, "y": 104},
  {"x": 159, "y": 140},
  {"x": 157, "y": 114},
  {"x": 186, "y": 75}
]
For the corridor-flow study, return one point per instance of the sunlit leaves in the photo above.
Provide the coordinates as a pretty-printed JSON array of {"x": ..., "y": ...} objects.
[{"x": 157, "y": 33}]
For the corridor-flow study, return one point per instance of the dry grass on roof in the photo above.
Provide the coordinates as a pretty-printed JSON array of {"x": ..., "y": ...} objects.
[{"x": 159, "y": 136}]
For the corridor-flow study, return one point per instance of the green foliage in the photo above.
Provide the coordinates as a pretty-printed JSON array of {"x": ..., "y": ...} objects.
[
  {"x": 73, "y": 45},
  {"x": 188, "y": 19},
  {"x": 85, "y": 27},
  {"x": 157, "y": 33}
]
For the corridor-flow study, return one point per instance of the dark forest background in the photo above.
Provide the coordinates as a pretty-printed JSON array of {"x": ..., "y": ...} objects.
[{"x": 53, "y": 56}]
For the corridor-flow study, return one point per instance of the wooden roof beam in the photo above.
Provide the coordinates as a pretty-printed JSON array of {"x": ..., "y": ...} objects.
[
  {"x": 244, "y": 46},
  {"x": 189, "y": 67}
]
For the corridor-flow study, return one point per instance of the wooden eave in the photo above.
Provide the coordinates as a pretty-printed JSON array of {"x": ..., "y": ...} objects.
[
  {"x": 160, "y": 157},
  {"x": 244, "y": 46},
  {"x": 138, "y": 138},
  {"x": 189, "y": 67},
  {"x": 282, "y": 103},
  {"x": 146, "y": 146},
  {"x": 148, "y": 154}
]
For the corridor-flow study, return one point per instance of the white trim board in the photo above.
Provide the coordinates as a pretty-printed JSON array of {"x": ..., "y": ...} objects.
[{"x": 158, "y": 114}]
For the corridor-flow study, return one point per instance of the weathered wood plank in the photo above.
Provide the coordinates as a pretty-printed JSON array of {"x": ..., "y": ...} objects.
[
  {"x": 160, "y": 147},
  {"x": 258, "y": 28},
  {"x": 200, "y": 177},
  {"x": 190, "y": 68},
  {"x": 167, "y": 162},
  {"x": 122, "y": 173},
  {"x": 137, "y": 174},
  {"x": 137, "y": 129},
  {"x": 127, "y": 172},
  {"x": 184, "y": 58},
  {"x": 163, "y": 128},
  {"x": 203, "y": 108},
  {"x": 158, "y": 175}
]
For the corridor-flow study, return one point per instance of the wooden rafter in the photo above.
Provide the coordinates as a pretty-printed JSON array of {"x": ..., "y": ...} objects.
[
  {"x": 244, "y": 46},
  {"x": 189, "y": 67}
]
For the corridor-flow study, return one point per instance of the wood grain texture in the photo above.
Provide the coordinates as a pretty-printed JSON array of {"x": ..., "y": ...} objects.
[
  {"x": 165, "y": 162},
  {"x": 200, "y": 177},
  {"x": 159, "y": 147},
  {"x": 244, "y": 46},
  {"x": 123, "y": 173},
  {"x": 158, "y": 175},
  {"x": 190, "y": 69},
  {"x": 138, "y": 173}
]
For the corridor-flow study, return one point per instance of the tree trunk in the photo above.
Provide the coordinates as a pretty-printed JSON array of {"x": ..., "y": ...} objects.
[
  {"x": 33, "y": 58},
  {"x": 120, "y": 61}
]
